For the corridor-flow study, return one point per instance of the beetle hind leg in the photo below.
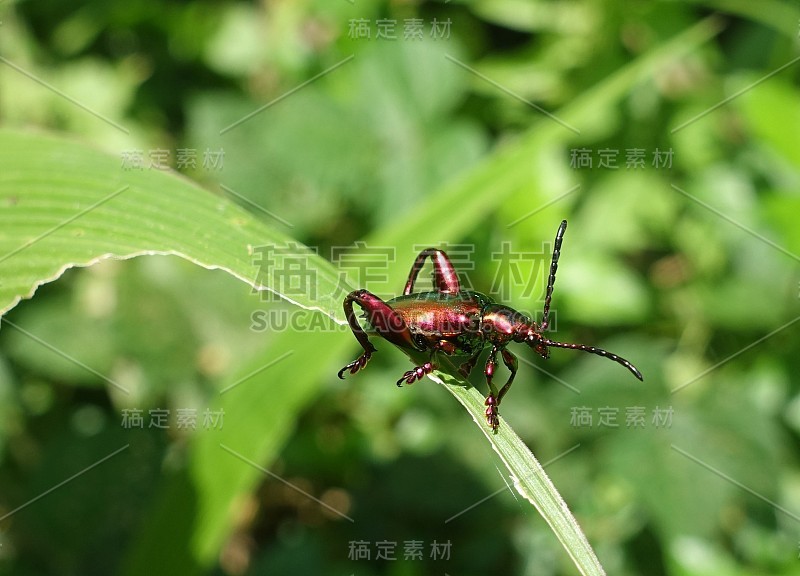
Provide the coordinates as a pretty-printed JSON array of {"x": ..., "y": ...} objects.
[
  {"x": 358, "y": 332},
  {"x": 357, "y": 364},
  {"x": 386, "y": 322},
  {"x": 445, "y": 278}
]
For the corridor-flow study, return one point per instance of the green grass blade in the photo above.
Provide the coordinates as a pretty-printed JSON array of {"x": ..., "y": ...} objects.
[
  {"x": 64, "y": 205},
  {"x": 530, "y": 479}
]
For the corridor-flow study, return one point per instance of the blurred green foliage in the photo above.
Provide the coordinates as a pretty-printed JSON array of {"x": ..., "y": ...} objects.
[{"x": 691, "y": 271}]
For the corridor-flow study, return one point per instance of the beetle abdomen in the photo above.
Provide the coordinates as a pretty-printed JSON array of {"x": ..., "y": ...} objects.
[{"x": 441, "y": 315}]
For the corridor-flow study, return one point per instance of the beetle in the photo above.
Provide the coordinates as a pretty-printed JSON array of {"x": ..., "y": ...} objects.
[{"x": 457, "y": 322}]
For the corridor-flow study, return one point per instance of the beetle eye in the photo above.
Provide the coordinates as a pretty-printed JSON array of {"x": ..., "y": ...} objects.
[{"x": 536, "y": 342}]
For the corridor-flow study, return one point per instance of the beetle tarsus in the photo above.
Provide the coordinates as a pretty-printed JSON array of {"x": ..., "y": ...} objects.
[
  {"x": 492, "y": 412},
  {"x": 417, "y": 373},
  {"x": 356, "y": 364}
]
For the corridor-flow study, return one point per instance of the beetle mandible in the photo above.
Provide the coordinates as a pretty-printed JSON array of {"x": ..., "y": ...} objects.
[{"x": 460, "y": 322}]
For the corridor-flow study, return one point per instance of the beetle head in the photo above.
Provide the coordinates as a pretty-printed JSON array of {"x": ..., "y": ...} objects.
[{"x": 537, "y": 342}]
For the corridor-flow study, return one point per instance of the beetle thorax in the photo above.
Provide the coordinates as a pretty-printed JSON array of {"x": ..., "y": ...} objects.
[{"x": 501, "y": 324}]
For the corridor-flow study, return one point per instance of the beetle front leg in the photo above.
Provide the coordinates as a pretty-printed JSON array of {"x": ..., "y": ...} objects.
[
  {"x": 492, "y": 401},
  {"x": 387, "y": 323}
]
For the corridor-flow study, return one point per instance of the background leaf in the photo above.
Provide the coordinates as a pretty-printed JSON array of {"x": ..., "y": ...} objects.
[{"x": 86, "y": 208}]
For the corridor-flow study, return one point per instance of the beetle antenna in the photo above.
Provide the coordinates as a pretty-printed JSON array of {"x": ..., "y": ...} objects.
[
  {"x": 598, "y": 351},
  {"x": 551, "y": 280}
]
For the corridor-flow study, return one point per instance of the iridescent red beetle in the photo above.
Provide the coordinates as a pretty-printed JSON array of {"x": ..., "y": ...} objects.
[{"x": 460, "y": 322}]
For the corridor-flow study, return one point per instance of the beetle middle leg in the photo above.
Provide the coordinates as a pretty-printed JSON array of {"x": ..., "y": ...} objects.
[
  {"x": 419, "y": 372},
  {"x": 386, "y": 322},
  {"x": 466, "y": 368}
]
